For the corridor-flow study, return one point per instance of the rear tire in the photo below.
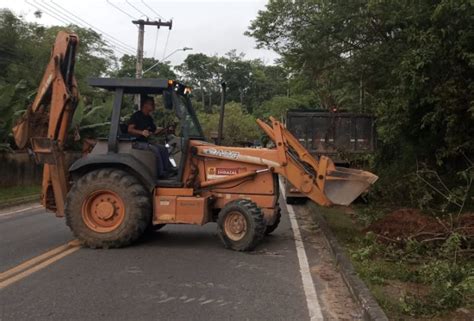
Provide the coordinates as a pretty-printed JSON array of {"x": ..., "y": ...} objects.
[
  {"x": 108, "y": 208},
  {"x": 270, "y": 228},
  {"x": 241, "y": 225}
]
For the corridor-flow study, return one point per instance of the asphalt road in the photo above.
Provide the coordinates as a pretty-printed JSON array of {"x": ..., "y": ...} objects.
[
  {"x": 178, "y": 273},
  {"x": 29, "y": 233}
]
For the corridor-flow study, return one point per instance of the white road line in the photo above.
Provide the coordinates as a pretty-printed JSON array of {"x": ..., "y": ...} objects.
[
  {"x": 20, "y": 210},
  {"x": 312, "y": 302}
]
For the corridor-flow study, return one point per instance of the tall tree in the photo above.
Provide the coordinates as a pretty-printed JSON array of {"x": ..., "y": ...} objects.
[
  {"x": 25, "y": 50},
  {"x": 196, "y": 70},
  {"x": 410, "y": 63},
  {"x": 161, "y": 69},
  {"x": 237, "y": 73}
]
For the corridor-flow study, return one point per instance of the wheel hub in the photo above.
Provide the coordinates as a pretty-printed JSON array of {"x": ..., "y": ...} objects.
[
  {"x": 103, "y": 211},
  {"x": 235, "y": 226}
]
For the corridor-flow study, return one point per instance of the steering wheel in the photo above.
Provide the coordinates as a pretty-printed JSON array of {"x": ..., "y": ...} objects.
[{"x": 173, "y": 144}]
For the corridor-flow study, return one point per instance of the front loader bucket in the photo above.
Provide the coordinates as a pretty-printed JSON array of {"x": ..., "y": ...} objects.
[
  {"x": 344, "y": 185},
  {"x": 318, "y": 179}
]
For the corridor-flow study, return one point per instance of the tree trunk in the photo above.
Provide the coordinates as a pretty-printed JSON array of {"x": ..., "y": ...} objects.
[
  {"x": 203, "y": 99},
  {"x": 209, "y": 108}
]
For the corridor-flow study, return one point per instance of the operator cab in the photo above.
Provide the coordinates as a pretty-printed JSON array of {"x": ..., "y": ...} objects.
[{"x": 118, "y": 149}]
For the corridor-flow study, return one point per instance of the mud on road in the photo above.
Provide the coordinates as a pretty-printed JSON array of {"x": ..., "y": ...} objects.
[{"x": 334, "y": 296}]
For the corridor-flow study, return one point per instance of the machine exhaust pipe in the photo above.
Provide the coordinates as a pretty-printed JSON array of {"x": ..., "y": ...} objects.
[{"x": 221, "y": 114}]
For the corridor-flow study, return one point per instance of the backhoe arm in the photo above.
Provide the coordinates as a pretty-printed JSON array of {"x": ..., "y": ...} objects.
[
  {"x": 46, "y": 122},
  {"x": 320, "y": 180}
]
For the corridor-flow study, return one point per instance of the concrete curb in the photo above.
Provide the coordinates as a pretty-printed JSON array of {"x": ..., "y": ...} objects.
[
  {"x": 20, "y": 201},
  {"x": 371, "y": 310}
]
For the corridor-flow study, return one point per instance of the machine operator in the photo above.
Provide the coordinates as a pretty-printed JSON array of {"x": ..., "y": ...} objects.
[{"x": 142, "y": 126}]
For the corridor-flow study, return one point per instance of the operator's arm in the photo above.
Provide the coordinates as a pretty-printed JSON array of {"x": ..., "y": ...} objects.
[
  {"x": 137, "y": 126},
  {"x": 137, "y": 132},
  {"x": 155, "y": 129},
  {"x": 159, "y": 130},
  {"x": 142, "y": 126}
]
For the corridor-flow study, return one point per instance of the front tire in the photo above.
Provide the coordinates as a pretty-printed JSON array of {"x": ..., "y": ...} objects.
[
  {"x": 241, "y": 225},
  {"x": 270, "y": 228},
  {"x": 108, "y": 208}
]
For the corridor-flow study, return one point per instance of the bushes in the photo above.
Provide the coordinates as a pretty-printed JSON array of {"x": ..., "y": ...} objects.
[
  {"x": 452, "y": 286},
  {"x": 13, "y": 100},
  {"x": 409, "y": 63},
  {"x": 434, "y": 282},
  {"x": 239, "y": 126},
  {"x": 277, "y": 107},
  {"x": 415, "y": 278}
]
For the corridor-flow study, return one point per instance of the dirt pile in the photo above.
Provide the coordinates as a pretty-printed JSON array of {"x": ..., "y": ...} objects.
[
  {"x": 405, "y": 224},
  {"x": 466, "y": 225}
]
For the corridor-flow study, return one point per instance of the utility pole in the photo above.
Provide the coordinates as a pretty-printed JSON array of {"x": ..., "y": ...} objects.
[
  {"x": 220, "y": 130},
  {"x": 141, "y": 36}
]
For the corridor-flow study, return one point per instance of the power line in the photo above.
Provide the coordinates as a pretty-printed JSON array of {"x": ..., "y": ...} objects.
[
  {"x": 93, "y": 27},
  {"x": 141, "y": 33},
  {"x": 156, "y": 41},
  {"x": 112, "y": 43},
  {"x": 58, "y": 16},
  {"x": 138, "y": 10},
  {"x": 48, "y": 13},
  {"x": 122, "y": 11},
  {"x": 166, "y": 44},
  {"x": 51, "y": 11},
  {"x": 152, "y": 10}
]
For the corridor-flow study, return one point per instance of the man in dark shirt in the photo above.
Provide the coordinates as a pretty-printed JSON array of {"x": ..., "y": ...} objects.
[{"x": 141, "y": 125}]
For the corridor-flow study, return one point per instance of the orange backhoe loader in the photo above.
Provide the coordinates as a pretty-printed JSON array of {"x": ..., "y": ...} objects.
[{"x": 112, "y": 195}]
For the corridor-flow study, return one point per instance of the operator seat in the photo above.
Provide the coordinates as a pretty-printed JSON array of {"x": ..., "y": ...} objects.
[
  {"x": 123, "y": 133},
  {"x": 124, "y": 136}
]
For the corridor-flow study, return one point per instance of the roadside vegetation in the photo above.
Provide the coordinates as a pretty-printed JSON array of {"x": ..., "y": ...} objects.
[
  {"x": 24, "y": 46},
  {"x": 18, "y": 193},
  {"x": 417, "y": 272},
  {"x": 411, "y": 64}
]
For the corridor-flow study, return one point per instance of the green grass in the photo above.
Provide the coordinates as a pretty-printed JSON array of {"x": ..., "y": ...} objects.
[
  {"x": 409, "y": 283},
  {"x": 8, "y": 194}
]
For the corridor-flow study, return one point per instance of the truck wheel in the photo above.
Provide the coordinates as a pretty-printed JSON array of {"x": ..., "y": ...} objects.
[
  {"x": 241, "y": 225},
  {"x": 271, "y": 228},
  {"x": 108, "y": 208}
]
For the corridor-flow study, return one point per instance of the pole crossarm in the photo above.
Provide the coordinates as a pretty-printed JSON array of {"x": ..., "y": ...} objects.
[
  {"x": 141, "y": 36},
  {"x": 157, "y": 23}
]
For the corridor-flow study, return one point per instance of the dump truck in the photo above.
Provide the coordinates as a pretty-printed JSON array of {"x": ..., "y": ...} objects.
[
  {"x": 339, "y": 135},
  {"x": 112, "y": 195}
]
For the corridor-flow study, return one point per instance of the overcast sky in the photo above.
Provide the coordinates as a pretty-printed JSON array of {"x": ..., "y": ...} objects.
[{"x": 211, "y": 27}]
